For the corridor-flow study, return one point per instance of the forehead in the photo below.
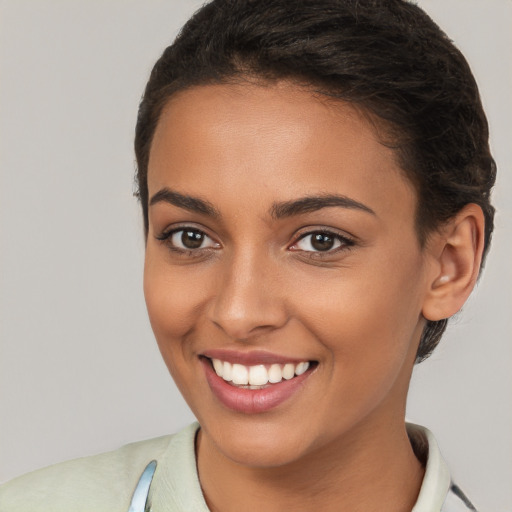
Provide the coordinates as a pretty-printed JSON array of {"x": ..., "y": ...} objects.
[{"x": 279, "y": 139}]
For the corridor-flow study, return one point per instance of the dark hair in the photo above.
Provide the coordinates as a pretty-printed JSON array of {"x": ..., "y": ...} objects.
[{"x": 385, "y": 56}]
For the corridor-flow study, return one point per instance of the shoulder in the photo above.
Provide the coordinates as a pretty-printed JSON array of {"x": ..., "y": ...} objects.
[{"x": 103, "y": 482}]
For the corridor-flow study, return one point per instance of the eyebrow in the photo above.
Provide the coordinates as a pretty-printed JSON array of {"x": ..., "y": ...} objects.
[
  {"x": 193, "y": 204},
  {"x": 278, "y": 211},
  {"x": 313, "y": 203}
]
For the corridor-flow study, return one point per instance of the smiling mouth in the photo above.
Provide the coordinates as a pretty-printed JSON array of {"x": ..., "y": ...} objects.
[
  {"x": 255, "y": 382},
  {"x": 258, "y": 376}
]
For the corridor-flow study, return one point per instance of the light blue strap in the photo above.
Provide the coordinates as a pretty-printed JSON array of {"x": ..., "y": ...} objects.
[{"x": 140, "y": 495}]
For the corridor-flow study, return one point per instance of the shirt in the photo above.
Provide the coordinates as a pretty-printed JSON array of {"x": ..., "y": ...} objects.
[{"x": 106, "y": 482}]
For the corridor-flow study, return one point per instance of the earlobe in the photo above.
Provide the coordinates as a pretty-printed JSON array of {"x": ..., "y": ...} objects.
[{"x": 458, "y": 253}]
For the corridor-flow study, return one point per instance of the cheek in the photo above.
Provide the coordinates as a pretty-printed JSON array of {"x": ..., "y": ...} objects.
[
  {"x": 173, "y": 297},
  {"x": 172, "y": 300},
  {"x": 369, "y": 336},
  {"x": 365, "y": 318}
]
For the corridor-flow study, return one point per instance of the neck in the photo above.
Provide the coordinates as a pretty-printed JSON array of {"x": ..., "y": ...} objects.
[{"x": 368, "y": 469}]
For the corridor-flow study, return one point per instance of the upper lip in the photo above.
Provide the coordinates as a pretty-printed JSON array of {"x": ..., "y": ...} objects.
[{"x": 251, "y": 358}]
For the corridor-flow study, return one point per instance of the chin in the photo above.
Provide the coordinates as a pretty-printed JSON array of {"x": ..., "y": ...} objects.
[
  {"x": 258, "y": 444},
  {"x": 267, "y": 453}
]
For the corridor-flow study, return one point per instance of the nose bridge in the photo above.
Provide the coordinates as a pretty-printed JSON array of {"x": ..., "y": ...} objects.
[{"x": 248, "y": 298}]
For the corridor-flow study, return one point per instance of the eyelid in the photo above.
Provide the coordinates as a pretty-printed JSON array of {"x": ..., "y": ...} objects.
[
  {"x": 166, "y": 235},
  {"x": 169, "y": 230},
  {"x": 346, "y": 241}
]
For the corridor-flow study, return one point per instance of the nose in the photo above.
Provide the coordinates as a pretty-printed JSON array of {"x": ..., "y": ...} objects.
[{"x": 249, "y": 299}]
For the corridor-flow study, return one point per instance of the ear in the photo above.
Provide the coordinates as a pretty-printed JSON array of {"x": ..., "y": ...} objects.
[{"x": 457, "y": 254}]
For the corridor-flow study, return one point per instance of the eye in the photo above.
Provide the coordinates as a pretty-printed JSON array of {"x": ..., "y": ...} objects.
[
  {"x": 322, "y": 241},
  {"x": 187, "y": 239}
]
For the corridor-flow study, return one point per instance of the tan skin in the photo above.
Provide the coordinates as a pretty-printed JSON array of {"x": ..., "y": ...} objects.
[{"x": 355, "y": 305}]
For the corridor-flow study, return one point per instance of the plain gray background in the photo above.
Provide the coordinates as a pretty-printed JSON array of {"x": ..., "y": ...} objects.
[{"x": 80, "y": 372}]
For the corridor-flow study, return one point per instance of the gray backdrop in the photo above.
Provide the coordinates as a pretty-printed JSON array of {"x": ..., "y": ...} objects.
[{"x": 79, "y": 370}]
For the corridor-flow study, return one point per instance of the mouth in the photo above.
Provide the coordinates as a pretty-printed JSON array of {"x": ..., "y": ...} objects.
[
  {"x": 255, "y": 388},
  {"x": 257, "y": 376}
]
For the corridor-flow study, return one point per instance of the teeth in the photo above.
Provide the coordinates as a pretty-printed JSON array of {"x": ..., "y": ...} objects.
[
  {"x": 240, "y": 374},
  {"x": 218, "y": 366},
  {"x": 258, "y": 375},
  {"x": 275, "y": 374},
  {"x": 226, "y": 371},
  {"x": 288, "y": 371},
  {"x": 301, "y": 368},
  {"x": 254, "y": 377}
]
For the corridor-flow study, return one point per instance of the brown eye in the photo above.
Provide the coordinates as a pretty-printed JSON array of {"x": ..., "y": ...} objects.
[
  {"x": 188, "y": 239},
  {"x": 192, "y": 239},
  {"x": 322, "y": 241}
]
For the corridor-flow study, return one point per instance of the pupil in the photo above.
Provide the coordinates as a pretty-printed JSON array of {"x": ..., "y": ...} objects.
[
  {"x": 192, "y": 239},
  {"x": 322, "y": 242}
]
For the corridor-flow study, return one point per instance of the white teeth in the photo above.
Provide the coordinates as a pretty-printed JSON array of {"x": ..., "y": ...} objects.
[
  {"x": 226, "y": 371},
  {"x": 258, "y": 375},
  {"x": 218, "y": 365},
  {"x": 240, "y": 374},
  {"x": 301, "y": 368},
  {"x": 275, "y": 374},
  {"x": 254, "y": 377},
  {"x": 289, "y": 371}
]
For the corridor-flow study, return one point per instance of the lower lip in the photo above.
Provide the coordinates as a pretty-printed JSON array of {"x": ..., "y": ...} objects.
[{"x": 252, "y": 401}]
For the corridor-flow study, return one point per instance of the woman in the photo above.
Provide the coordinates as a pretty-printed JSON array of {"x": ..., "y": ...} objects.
[{"x": 315, "y": 181}]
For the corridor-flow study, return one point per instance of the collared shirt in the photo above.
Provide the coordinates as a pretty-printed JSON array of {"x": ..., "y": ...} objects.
[
  {"x": 105, "y": 482},
  {"x": 438, "y": 492}
]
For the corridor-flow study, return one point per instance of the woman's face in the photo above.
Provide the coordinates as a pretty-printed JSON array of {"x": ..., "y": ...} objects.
[{"x": 281, "y": 232}]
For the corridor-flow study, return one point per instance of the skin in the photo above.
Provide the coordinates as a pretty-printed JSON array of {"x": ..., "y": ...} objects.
[{"x": 340, "y": 442}]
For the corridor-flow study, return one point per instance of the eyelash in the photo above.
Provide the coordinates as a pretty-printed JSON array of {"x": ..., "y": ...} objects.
[
  {"x": 166, "y": 238},
  {"x": 345, "y": 242}
]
